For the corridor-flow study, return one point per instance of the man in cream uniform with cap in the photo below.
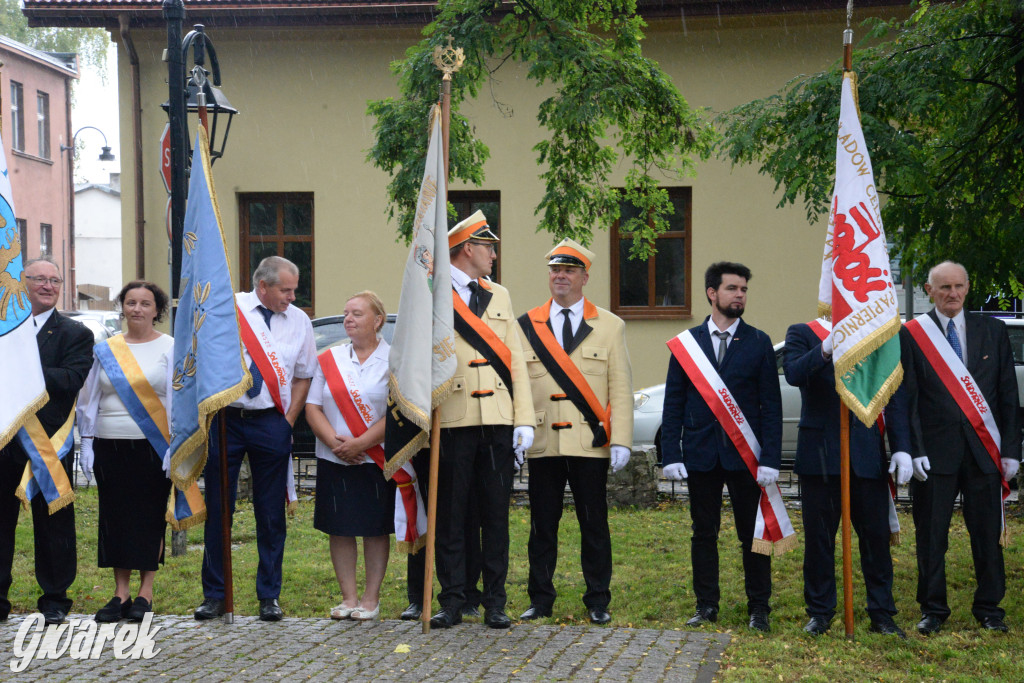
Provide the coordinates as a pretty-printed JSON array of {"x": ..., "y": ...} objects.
[
  {"x": 486, "y": 425},
  {"x": 579, "y": 372}
]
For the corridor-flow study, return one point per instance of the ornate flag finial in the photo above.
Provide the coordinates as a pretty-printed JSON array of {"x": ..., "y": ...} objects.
[{"x": 449, "y": 59}]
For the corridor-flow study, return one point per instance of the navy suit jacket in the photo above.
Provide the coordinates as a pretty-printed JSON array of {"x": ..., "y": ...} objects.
[
  {"x": 939, "y": 429},
  {"x": 817, "y": 448},
  {"x": 690, "y": 432}
]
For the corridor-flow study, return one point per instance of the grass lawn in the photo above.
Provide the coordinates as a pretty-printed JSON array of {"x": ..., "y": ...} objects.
[{"x": 650, "y": 589}]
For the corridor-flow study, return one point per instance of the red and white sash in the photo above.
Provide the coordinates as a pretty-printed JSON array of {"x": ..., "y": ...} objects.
[
  {"x": 343, "y": 381},
  {"x": 772, "y": 530},
  {"x": 259, "y": 342},
  {"x": 823, "y": 328},
  {"x": 964, "y": 390}
]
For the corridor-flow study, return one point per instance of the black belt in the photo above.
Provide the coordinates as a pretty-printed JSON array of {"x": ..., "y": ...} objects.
[{"x": 247, "y": 414}]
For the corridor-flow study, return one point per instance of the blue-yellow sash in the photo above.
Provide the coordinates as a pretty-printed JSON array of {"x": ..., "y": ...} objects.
[
  {"x": 185, "y": 509},
  {"x": 44, "y": 472}
]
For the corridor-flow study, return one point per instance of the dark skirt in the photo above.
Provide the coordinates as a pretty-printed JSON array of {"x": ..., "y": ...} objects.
[
  {"x": 353, "y": 500},
  {"x": 133, "y": 492}
]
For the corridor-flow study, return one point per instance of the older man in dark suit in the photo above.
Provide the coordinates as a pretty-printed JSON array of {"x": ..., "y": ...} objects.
[
  {"x": 808, "y": 365},
  {"x": 695, "y": 444},
  {"x": 965, "y": 433},
  {"x": 65, "y": 351}
]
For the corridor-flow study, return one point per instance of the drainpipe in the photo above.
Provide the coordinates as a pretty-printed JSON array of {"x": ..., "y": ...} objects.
[
  {"x": 71, "y": 282},
  {"x": 140, "y": 219}
]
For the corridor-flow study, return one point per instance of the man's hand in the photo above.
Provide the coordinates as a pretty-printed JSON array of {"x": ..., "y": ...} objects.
[
  {"x": 620, "y": 456},
  {"x": 522, "y": 440},
  {"x": 675, "y": 471},
  {"x": 902, "y": 466},
  {"x": 1010, "y": 467},
  {"x": 766, "y": 476},
  {"x": 826, "y": 347},
  {"x": 921, "y": 468}
]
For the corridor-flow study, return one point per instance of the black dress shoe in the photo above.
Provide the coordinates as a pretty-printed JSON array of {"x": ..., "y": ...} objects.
[
  {"x": 703, "y": 615},
  {"x": 759, "y": 622},
  {"x": 495, "y": 617},
  {"x": 818, "y": 626},
  {"x": 599, "y": 615},
  {"x": 887, "y": 627},
  {"x": 994, "y": 624},
  {"x": 929, "y": 624},
  {"x": 210, "y": 609},
  {"x": 412, "y": 612},
  {"x": 114, "y": 611},
  {"x": 470, "y": 611},
  {"x": 138, "y": 609},
  {"x": 54, "y": 615},
  {"x": 446, "y": 618},
  {"x": 535, "y": 612},
  {"x": 270, "y": 610}
]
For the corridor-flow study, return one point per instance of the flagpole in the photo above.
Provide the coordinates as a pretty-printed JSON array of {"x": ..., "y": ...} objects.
[{"x": 844, "y": 420}]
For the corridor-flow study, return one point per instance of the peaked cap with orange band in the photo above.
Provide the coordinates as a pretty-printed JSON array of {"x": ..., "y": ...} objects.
[
  {"x": 570, "y": 253},
  {"x": 473, "y": 228}
]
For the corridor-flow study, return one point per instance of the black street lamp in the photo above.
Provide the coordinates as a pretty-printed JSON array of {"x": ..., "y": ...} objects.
[
  {"x": 105, "y": 155},
  {"x": 189, "y": 94}
]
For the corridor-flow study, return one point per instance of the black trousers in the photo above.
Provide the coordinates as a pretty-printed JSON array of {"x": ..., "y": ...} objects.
[
  {"x": 587, "y": 478},
  {"x": 821, "y": 498},
  {"x": 705, "y": 490},
  {"x": 415, "y": 569},
  {"x": 478, "y": 458},
  {"x": 56, "y": 553},
  {"x": 933, "y": 509}
]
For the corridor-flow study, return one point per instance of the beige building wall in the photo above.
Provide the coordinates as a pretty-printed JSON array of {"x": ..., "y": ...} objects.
[{"x": 303, "y": 128}]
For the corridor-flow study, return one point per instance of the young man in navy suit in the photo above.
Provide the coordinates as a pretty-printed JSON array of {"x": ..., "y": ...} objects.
[
  {"x": 808, "y": 365},
  {"x": 695, "y": 445}
]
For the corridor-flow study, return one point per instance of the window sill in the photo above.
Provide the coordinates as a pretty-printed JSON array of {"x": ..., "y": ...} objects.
[
  {"x": 33, "y": 157},
  {"x": 661, "y": 313}
]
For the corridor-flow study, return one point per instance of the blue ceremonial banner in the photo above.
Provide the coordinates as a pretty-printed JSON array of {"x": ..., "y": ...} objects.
[
  {"x": 209, "y": 371},
  {"x": 22, "y": 375}
]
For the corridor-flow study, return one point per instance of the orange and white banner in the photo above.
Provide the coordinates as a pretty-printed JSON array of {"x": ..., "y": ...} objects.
[
  {"x": 259, "y": 342},
  {"x": 773, "y": 532}
]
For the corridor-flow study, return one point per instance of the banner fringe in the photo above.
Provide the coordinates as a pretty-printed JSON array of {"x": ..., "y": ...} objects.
[{"x": 31, "y": 409}]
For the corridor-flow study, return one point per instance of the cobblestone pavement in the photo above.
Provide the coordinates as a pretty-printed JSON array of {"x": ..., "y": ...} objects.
[{"x": 324, "y": 650}]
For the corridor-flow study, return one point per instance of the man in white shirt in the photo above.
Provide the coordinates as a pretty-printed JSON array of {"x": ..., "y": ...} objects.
[{"x": 281, "y": 353}]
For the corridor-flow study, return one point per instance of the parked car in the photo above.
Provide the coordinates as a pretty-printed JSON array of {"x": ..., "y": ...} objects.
[
  {"x": 111, "y": 320},
  {"x": 95, "y": 325},
  {"x": 647, "y": 403},
  {"x": 328, "y": 332}
]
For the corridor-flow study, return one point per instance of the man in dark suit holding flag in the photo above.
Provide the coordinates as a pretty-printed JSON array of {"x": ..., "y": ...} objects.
[{"x": 582, "y": 385}]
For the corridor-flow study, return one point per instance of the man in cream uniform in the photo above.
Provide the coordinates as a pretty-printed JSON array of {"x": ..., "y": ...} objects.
[
  {"x": 260, "y": 424},
  {"x": 579, "y": 371},
  {"x": 486, "y": 425}
]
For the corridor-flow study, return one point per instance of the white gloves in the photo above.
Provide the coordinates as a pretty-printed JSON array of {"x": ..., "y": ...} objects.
[
  {"x": 522, "y": 439},
  {"x": 620, "y": 456},
  {"x": 766, "y": 476},
  {"x": 921, "y": 467},
  {"x": 826, "y": 347},
  {"x": 901, "y": 465},
  {"x": 1010, "y": 467},
  {"x": 675, "y": 471},
  {"x": 85, "y": 458}
]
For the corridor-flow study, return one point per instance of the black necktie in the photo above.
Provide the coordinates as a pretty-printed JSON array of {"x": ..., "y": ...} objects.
[
  {"x": 566, "y": 329},
  {"x": 257, "y": 376},
  {"x": 474, "y": 298},
  {"x": 722, "y": 344}
]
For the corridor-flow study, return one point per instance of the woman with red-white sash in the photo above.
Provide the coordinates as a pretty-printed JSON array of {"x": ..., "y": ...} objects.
[{"x": 352, "y": 497}]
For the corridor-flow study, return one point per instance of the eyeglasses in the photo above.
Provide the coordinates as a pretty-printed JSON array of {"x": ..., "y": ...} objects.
[
  {"x": 488, "y": 245},
  {"x": 40, "y": 280}
]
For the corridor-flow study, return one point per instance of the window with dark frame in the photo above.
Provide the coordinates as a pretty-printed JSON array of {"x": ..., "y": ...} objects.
[
  {"x": 278, "y": 224},
  {"x": 488, "y": 201},
  {"x": 43, "y": 119},
  {"x": 45, "y": 240},
  {"x": 659, "y": 287},
  {"x": 17, "y": 117}
]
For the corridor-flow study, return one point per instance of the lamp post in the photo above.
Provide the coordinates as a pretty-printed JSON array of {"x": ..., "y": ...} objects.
[
  {"x": 189, "y": 93},
  {"x": 105, "y": 155}
]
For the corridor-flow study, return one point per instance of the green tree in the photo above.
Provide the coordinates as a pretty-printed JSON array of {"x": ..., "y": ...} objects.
[
  {"x": 89, "y": 43},
  {"x": 609, "y": 101},
  {"x": 941, "y": 97}
]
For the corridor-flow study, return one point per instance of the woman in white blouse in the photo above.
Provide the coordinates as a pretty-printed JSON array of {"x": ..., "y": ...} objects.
[
  {"x": 132, "y": 487},
  {"x": 345, "y": 409}
]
